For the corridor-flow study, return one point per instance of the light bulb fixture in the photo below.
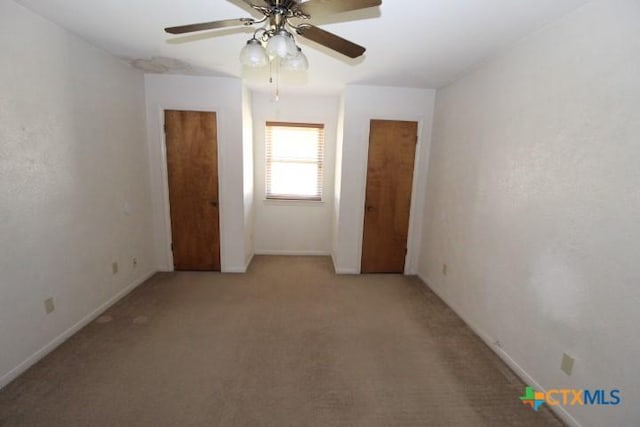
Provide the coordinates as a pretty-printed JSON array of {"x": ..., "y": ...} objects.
[
  {"x": 253, "y": 54},
  {"x": 281, "y": 45},
  {"x": 275, "y": 46},
  {"x": 274, "y": 42},
  {"x": 297, "y": 62}
]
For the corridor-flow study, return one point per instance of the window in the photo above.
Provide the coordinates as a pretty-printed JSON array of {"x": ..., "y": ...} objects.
[{"x": 294, "y": 156}]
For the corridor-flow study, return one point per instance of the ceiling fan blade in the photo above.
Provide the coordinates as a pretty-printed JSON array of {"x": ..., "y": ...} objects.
[
  {"x": 326, "y": 7},
  {"x": 260, "y": 3},
  {"x": 331, "y": 41},
  {"x": 209, "y": 25}
]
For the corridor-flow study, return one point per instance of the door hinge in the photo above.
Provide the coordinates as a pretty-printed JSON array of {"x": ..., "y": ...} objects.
[
  {"x": 164, "y": 127},
  {"x": 171, "y": 246}
]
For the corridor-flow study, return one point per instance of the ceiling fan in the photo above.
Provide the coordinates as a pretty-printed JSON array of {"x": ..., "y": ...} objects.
[{"x": 275, "y": 37}]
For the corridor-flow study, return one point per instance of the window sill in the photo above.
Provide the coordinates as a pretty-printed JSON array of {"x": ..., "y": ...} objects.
[{"x": 293, "y": 202}]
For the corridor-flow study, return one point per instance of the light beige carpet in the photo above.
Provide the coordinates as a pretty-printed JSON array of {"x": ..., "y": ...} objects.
[{"x": 288, "y": 344}]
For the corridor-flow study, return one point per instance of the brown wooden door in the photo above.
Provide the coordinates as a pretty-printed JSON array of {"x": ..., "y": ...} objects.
[
  {"x": 192, "y": 163},
  {"x": 392, "y": 147}
]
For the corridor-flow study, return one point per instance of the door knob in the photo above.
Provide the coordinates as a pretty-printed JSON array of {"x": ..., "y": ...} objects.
[
  {"x": 213, "y": 203},
  {"x": 370, "y": 208}
]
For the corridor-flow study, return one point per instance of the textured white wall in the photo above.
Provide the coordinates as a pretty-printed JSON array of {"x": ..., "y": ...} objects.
[
  {"x": 225, "y": 97},
  {"x": 337, "y": 183},
  {"x": 248, "y": 179},
  {"x": 288, "y": 227},
  {"x": 361, "y": 104},
  {"x": 74, "y": 184},
  {"x": 534, "y": 204}
]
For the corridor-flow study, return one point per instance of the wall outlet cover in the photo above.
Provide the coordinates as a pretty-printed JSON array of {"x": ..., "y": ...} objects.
[
  {"x": 567, "y": 364},
  {"x": 49, "y": 305}
]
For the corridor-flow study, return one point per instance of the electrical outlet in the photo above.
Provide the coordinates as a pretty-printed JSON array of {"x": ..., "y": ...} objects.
[
  {"x": 567, "y": 364},
  {"x": 114, "y": 268},
  {"x": 49, "y": 306},
  {"x": 134, "y": 262},
  {"x": 444, "y": 269}
]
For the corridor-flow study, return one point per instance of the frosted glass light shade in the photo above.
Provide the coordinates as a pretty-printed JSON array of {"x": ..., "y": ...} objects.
[
  {"x": 253, "y": 54},
  {"x": 297, "y": 62},
  {"x": 281, "y": 45}
]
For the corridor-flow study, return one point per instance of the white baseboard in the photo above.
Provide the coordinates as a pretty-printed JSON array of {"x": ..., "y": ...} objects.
[
  {"x": 246, "y": 267},
  {"x": 560, "y": 411},
  {"x": 35, "y": 357},
  {"x": 238, "y": 269},
  {"x": 341, "y": 270},
  {"x": 234, "y": 270},
  {"x": 291, "y": 253}
]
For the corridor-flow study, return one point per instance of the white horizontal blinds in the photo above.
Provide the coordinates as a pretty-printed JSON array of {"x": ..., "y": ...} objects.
[{"x": 294, "y": 160}]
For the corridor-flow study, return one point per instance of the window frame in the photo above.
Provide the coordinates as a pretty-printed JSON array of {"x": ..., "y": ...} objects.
[{"x": 319, "y": 161}]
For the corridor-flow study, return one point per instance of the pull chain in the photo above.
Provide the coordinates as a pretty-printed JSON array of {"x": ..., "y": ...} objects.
[{"x": 277, "y": 97}]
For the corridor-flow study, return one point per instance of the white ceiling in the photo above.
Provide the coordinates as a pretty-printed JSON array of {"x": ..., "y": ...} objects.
[{"x": 423, "y": 44}]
